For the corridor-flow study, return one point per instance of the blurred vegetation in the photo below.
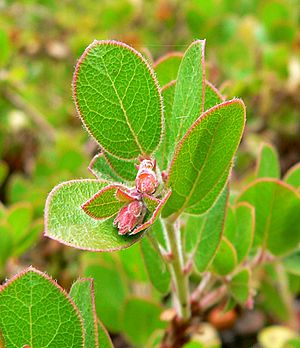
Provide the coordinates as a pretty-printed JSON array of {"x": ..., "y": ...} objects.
[{"x": 253, "y": 52}]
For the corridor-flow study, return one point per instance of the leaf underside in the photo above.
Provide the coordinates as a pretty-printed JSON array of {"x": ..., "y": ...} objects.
[{"x": 65, "y": 221}]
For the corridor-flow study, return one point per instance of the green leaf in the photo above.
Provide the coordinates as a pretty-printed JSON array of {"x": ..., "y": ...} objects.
[
  {"x": 126, "y": 170},
  {"x": 276, "y": 229},
  {"x": 189, "y": 90},
  {"x": 203, "y": 233},
  {"x": 67, "y": 223},
  {"x": 268, "y": 163},
  {"x": 272, "y": 301},
  {"x": 154, "y": 208},
  {"x": 82, "y": 293},
  {"x": 292, "y": 263},
  {"x": 212, "y": 96},
  {"x": 19, "y": 218},
  {"x": 292, "y": 176},
  {"x": 203, "y": 158},
  {"x": 137, "y": 330},
  {"x": 118, "y": 99},
  {"x": 239, "y": 228},
  {"x": 100, "y": 168},
  {"x": 157, "y": 268},
  {"x": 29, "y": 238},
  {"x": 165, "y": 150},
  {"x": 133, "y": 264},
  {"x": 110, "y": 294},
  {"x": 166, "y": 147},
  {"x": 226, "y": 258},
  {"x": 6, "y": 245},
  {"x": 166, "y": 67},
  {"x": 104, "y": 204},
  {"x": 239, "y": 286},
  {"x": 35, "y": 311},
  {"x": 5, "y": 48},
  {"x": 104, "y": 340},
  {"x": 292, "y": 343}
]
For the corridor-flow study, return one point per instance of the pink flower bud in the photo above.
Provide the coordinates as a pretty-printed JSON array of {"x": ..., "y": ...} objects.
[
  {"x": 146, "y": 180},
  {"x": 130, "y": 216}
]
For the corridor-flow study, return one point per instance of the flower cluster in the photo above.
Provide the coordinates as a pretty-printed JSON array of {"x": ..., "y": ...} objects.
[{"x": 132, "y": 214}]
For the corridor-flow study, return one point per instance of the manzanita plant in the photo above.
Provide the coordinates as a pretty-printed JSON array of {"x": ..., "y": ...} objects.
[{"x": 167, "y": 142}]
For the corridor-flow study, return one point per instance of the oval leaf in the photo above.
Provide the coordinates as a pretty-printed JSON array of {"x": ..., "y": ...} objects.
[
  {"x": 117, "y": 97},
  {"x": 190, "y": 88},
  {"x": 239, "y": 228},
  {"x": 226, "y": 258},
  {"x": 202, "y": 160},
  {"x": 268, "y": 163},
  {"x": 292, "y": 176},
  {"x": 204, "y": 233},
  {"x": 239, "y": 286},
  {"x": 67, "y": 223},
  {"x": 276, "y": 229},
  {"x": 166, "y": 67},
  {"x": 104, "y": 204},
  {"x": 36, "y": 312}
]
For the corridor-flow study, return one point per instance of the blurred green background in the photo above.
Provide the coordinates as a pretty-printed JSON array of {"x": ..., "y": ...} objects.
[{"x": 253, "y": 52}]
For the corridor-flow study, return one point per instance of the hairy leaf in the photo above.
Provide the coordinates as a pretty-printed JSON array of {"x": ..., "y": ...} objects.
[
  {"x": 82, "y": 293},
  {"x": 66, "y": 222},
  {"x": 36, "y": 312},
  {"x": 104, "y": 204},
  {"x": 189, "y": 90},
  {"x": 202, "y": 160},
  {"x": 118, "y": 99}
]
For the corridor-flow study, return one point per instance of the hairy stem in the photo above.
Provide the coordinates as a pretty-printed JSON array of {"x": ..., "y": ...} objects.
[{"x": 180, "y": 279}]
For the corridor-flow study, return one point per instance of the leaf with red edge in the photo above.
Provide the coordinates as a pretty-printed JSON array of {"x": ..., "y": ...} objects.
[
  {"x": 292, "y": 176},
  {"x": 37, "y": 312},
  {"x": 105, "y": 203},
  {"x": 66, "y": 222},
  {"x": 155, "y": 207},
  {"x": 189, "y": 90},
  {"x": 101, "y": 169},
  {"x": 118, "y": 99},
  {"x": 82, "y": 293},
  {"x": 166, "y": 67},
  {"x": 203, "y": 159}
]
